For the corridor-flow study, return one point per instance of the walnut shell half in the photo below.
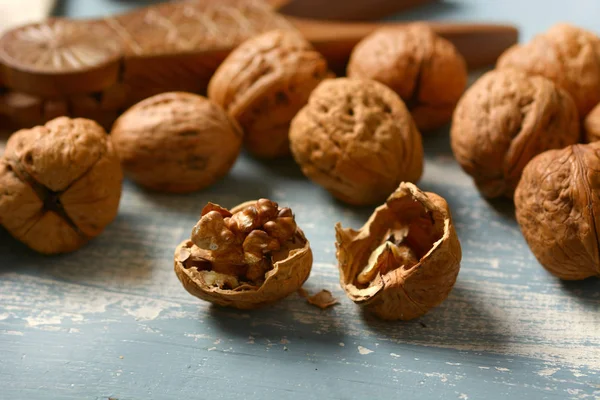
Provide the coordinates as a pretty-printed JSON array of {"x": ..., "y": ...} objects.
[
  {"x": 558, "y": 208},
  {"x": 263, "y": 83},
  {"x": 565, "y": 54},
  {"x": 356, "y": 138},
  {"x": 405, "y": 259},
  {"x": 424, "y": 69},
  {"x": 503, "y": 121},
  {"x": 60, "y": 184},
  {"x": 246, "y": 258}
]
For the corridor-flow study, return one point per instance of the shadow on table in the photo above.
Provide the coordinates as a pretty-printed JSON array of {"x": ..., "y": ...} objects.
[
  {"x": 282, "y": 167},
  {"x": 586, "y": 292}
]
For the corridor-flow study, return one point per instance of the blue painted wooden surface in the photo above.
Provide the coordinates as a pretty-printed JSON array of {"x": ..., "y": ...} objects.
[{"x": 113, "y": 321}]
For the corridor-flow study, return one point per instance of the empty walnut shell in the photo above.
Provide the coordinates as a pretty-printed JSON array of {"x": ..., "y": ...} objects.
[
  {"x": 565, "y": 54},
  {"x": 404, "y": 261},
  {"x": 558, "y": 208},
  {"x": 263, "y": 83},
  {"x": 61, "y": 184},
  {"x": 591, "y": 125},
  {"x": 356, "y": 138},
  {"x": 246, "y": 258},
  {"x": 176, "y": 142},
  {"x": 503, "y": 121},
  {"x": 424, "y": 69}
]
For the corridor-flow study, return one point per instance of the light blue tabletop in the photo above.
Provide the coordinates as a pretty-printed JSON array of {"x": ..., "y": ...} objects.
[{"x": 112, "y": 320}]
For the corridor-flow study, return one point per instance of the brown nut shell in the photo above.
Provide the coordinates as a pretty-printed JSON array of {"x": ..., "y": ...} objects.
[
  {"x": 565, "y": 54},
  {"x": 61, "y": 184},
  {"x": 176, "y": 142},
  {"x": 503, "y": 121},
  {"x": 409, "y": 291},
  {"x": 558, "y": 208},
  {"x": 357, "y": 139},
  {"x": 263, "y": 83},
  {"x": 591, "y": 125},
  {"x": 288, "y": 274},
  {"x": 424, "y": 69}
]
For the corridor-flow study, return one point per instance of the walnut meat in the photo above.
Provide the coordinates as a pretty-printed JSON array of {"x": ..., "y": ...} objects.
[
  {"x": 60, "y": 184},
  {"x": 356, "y": 138},
  {"x": 246, "y": 257},
  {"x": 263, "y": 83},
  {"x": 405, "y": 260},
  {"x": 591, "y": 125},
  {"x": 565, "y": 54},
  {"x": 176, "y": 142},
  {"x": 424, "y": 69},
  {"x": 503, "y": 121},
  {"x": 558, "y": 208}
]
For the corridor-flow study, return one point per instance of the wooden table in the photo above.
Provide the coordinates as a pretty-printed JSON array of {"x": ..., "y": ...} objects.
[{"x": 112, "y": 321}]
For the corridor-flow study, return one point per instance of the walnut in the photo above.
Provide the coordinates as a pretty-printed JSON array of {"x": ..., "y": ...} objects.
[
  {"x": 558, "y": 209},
  {"x": 263, "y": 83},
  {"x": 503, "y": 121},
  {"x": 176, "y": 142},
  {"x": 591, "y": 125},
  {"x": 404, "y": 261},
  {"x": 424, "y": 69},
  {"x": 245, "y": 258},
  {"x": 565, "y": 54},
  {"x": 356, "y": 138},
  {"x": 60, "y": 184}
]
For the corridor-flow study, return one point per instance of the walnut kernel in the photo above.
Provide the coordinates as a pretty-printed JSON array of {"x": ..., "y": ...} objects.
[
  {"x": 558, "y": 209},
  {"x": 176, "y": 142},
  {"x": 356, "y": 138},
  {"x": 503, "y": 121},
  {"x": 424, "y": 69},
  {"x": 61, "y": 184},
  {"x": 404, "y": 261},
  {"x": 263, "y": 83},
  {"x": 591, "y": 125},
  {"x": 245, "y": 258}
]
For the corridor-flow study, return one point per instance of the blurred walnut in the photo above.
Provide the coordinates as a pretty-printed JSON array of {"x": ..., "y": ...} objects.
[
  {"x": 357, "y": 139},
  {"x": 176, "y": 142},
  {"x": 245, "y": 258},
  {"x": 61, "y": 184},
  {"x": 565, "y": 54},
  {"x": 405, "y": 259},
  {"x": 263, "y": 83},
  {"x": 591, "y": 125},
  {"x": 503, "y": 121},
  {"x": 424, "y": 69},
  {"x": 558, "y": 208}
]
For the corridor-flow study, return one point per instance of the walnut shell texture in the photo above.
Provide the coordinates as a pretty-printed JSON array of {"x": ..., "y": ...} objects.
[
  {"x": 176, "y": 142},
  {"x": 558, "y": 209},
  {"x": 263, "y": 83},
  {"x": 503, "y": 121},
  {"x": 565, "y": 54},
  {"x": 424, "y": 69},
  {"x": 591, "y": 125},
  {"x": 405, "y": 292},
  {"x": 356, "y": 138},
  {"x": 288, "y": 273},
  {"x": 61, "y": 184}
]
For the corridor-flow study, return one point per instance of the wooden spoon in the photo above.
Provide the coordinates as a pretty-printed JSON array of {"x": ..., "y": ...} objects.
[{"x": 177, "y": 46}]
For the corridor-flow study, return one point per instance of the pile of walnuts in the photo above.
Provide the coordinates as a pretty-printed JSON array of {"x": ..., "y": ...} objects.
[{"x": 516, "y": 131}]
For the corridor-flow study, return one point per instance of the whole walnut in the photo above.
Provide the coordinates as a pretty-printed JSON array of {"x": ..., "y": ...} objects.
[
  {"x": 424, "y": 69},
  {"x": 503, "y": 121},
  {"x": 404, "y": 261},
  {"x": 565, "y": 54},
  {"x": 61, "y": 184},
  {"x": 558, "y": 208},
  {"x": 356, "y": 138},
  {"x": 248, "y": 257},
  {"x": 591, "y": 125},
  {"x": 263, "y": 83},
  {"x": 176, "y": 142}
]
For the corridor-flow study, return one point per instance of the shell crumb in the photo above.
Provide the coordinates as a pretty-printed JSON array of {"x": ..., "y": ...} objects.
[{"x": 324, "y": 299}]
